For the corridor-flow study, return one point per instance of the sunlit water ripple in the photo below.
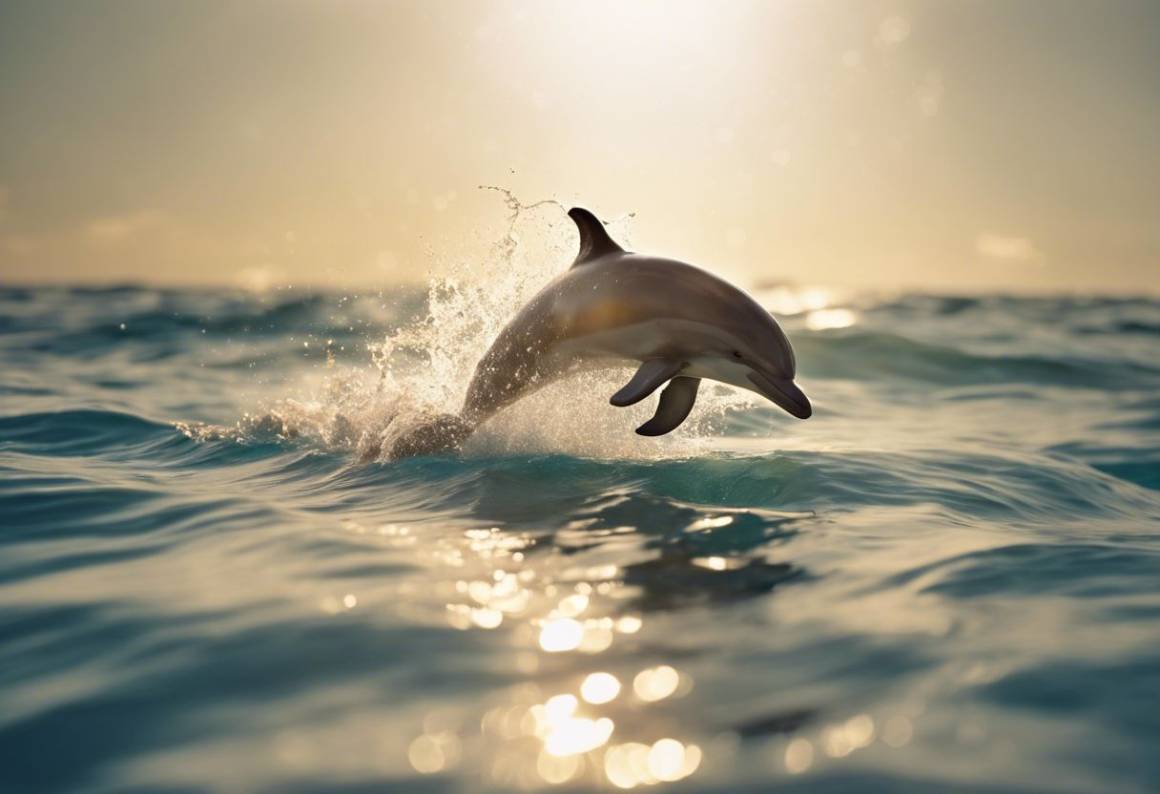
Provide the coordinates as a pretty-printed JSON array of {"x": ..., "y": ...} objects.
[{"x": 947, "y": 580}]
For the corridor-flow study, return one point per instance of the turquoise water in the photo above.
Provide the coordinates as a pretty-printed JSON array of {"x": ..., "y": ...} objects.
[{"x": 947, "y": 580}]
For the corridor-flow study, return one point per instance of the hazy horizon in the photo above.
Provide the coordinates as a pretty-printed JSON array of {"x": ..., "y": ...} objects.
[{"x": 969, "y": 147}]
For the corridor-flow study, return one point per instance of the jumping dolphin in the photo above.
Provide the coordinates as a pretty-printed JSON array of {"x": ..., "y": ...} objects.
[{"x": 611, "y": 307}]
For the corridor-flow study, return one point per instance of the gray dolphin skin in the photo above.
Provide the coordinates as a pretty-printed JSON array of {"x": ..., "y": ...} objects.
[{"x": 612, "y": 307}]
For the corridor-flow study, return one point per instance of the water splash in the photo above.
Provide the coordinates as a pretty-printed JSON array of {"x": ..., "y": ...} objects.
[{"x": 422, "y": 369}]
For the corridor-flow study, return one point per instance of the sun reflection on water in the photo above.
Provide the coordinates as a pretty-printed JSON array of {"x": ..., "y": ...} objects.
[
  {"x": 799, "y": 756},
  {"x": 636, "y": 764},
  {"x": 596, "y": 725},
  {"x": 599, "y": 688},
  {"x": 789, "y": 301},
  {"x": 574, "y": 719},
  {"x": 815, "y": 304},
  {"x": 656, "y": 683},
  {"x": 822, "y": 319},
  {"x": 562, "y": 634}
]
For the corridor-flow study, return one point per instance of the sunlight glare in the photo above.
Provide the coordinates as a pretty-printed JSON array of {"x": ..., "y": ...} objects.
[
  {"x": 656, "y": 683},
  {"x": 564, "y": 634},
  {"x": 830, "y": 318},
  {"x": 790, "y": 300},
  {"x": 578, "y": 735},
  {"x": 799, "y": 756},
  {"x": 629, "y": 624},
  {"x": 600, "y": 688}
]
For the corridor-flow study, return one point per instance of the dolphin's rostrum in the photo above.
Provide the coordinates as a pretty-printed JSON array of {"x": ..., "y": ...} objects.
[{"x": 613, "y": 306}]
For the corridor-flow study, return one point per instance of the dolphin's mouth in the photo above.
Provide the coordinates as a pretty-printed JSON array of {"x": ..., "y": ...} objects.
[{"x": 783, "y": 392}]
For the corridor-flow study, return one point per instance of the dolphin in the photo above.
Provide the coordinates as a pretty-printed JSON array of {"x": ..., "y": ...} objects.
[{"x": 679, "y": 324}]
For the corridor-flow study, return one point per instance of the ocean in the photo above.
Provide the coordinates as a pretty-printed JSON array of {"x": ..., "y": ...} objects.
[{"x": 947, "y": 580}]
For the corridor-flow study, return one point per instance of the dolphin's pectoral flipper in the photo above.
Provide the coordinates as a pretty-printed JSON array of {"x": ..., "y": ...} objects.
[
  {"x": 594, "y": 239},
  {"x": 647, "y": 379},
  {"x": 676, "y": 402}
]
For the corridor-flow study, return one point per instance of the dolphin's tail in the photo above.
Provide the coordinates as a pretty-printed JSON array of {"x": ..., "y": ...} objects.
[{"x": 436, "y": 435}]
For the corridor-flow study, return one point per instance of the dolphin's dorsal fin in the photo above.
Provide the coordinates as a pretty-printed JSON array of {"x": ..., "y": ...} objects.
[{"x": 594, "y": 239}]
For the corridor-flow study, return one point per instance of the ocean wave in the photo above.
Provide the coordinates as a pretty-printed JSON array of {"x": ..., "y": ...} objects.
[{"x": 886, "y": 357}]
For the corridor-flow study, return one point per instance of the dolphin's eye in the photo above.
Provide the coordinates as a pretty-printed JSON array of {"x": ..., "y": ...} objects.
[{"x": 736, "y": 354}]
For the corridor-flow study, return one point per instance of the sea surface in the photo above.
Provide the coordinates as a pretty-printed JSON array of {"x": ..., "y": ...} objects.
[{"x": 947, "y": 580}]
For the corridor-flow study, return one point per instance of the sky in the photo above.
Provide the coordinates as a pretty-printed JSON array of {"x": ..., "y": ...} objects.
[{"x": 944, "y": 146}]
